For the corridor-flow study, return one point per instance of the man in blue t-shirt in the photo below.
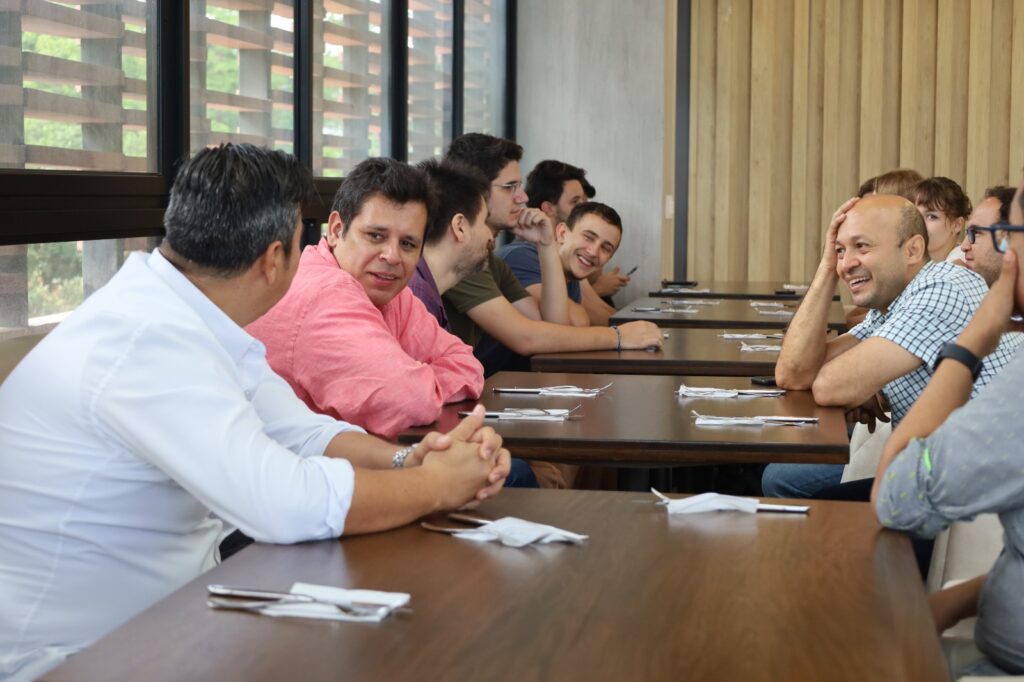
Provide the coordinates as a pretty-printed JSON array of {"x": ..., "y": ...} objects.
[{"x": 587, "y": 239}]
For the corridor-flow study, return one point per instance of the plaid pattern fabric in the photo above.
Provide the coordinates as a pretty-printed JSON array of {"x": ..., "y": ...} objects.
[{"x": 933, "y": 310}]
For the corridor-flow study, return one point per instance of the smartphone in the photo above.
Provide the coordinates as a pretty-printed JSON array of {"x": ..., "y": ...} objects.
[
  {"x": 785, "y": 292},
  {"x": 635, "y": 268},
  {"x": 763, "y": 381},
  {"x": 679, "y": 283}
]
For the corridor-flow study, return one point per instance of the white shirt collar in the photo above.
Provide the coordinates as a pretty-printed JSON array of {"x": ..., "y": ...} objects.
[{"x": 235, "y": 340}]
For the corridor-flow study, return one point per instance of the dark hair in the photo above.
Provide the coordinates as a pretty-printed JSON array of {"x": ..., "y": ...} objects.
[
  {"x": 459, "y": 188},
  {"x": 899, "y": 182},
  {"x": 395, "y": 181},
  {"x": 911, "y": 223},
  {"x": 1005, "y": 196},
  {"x": 942, "y": 194},
  {"x": 546, "y": 182},
  {"x": 602, "y": 211},
  {"x": 230, "y": 203},
  {"x": 488, "y": 153},
  {"x": 866, "y": 188}
]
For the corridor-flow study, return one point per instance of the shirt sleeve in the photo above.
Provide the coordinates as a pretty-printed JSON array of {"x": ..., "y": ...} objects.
[
  {"x": 354, "y": 367},
  {"x": 510, "y": 287},
  {"x": 866, "y": 327},
  {"x": 947, "y": 311},
  {"x": 199, "y": 427},
  {"x": 523, "y": 261},
  {"x": 972, "y": 464}
]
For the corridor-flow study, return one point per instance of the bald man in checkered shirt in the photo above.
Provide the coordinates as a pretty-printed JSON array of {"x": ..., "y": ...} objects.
[{"x": 879, "y": 247}]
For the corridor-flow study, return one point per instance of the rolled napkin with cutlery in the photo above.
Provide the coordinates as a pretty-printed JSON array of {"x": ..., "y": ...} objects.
[
  {"x": 534, "y": 414},
  {"x": 706, "y": 502},
  {"x": 775, "y": 311},
  {"x": 683, "y": 302},
  {"x": 307, "y": 600},
  {"x": 767, "y": 304},
  {"x": 710, "y": 392},
  {"x": 732, "y": 335},
  {"x": 759, "y": 347},
  {"x": 769, "y": 420},
  {"x": 564, "y": 391},
  {"x": 513, "y": 532}
]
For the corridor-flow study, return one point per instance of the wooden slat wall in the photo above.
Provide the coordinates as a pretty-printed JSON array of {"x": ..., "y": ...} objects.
[{"x": 795, "y": 102}]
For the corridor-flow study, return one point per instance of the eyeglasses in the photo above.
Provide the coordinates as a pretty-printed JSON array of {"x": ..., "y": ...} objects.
[
  {"x": 997, "y": 244},
  {"x": 512, "y": 187}
]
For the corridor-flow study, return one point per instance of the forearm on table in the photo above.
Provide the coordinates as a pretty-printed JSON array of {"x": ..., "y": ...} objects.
[
  {"x": 383, "y": 500},
  {"x": 804, "y": 346},
  {"x": 362, "y": 450}
]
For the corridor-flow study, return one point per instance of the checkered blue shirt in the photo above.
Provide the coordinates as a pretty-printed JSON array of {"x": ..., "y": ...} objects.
[{"x": 932, "y": 311}]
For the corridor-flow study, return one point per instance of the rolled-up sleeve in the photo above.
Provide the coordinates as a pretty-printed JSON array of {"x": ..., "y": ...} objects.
[
  {"x": 972, "y": 464},
  {"x": 199, "y": 427}
]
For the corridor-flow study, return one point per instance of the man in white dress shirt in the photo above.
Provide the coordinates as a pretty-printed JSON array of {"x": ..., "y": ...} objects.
[{"x": 149, "y": 423}]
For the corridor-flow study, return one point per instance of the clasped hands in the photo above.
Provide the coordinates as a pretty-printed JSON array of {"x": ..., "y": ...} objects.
[{"x": 470, "y": 452}]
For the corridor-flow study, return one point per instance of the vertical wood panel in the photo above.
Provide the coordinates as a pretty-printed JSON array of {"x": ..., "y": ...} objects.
[
  {"x": 732, "y": 139},
  {"x": 1016, "y": 151},
  {"x": 811, "y": 97},
  {"x": 917, "y": 106},
  {"x": 771, "y": 102},
  {"x": 881, "y": 43},
  {"x": 953, "y": 21},
  {"x": 841, "y": 132},
  {"x": 701, "y": 217}
]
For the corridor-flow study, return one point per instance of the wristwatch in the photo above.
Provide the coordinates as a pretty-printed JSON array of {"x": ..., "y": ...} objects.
[
  {"x": 957, "y": 352},
  {"x": 398, "y": 461}
]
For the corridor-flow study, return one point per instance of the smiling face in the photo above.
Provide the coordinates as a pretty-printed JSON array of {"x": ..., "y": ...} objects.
[
  {"x": 587, "y": 246},
  {"x": 872, "y": 261},
  {"x": 381, "y": 247},
  {"x": 504, "y": 204},
  {"x": 981, "y": 256}
]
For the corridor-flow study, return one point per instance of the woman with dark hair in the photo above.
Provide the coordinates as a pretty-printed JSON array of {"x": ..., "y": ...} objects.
[{"x": 945, "y": 209}]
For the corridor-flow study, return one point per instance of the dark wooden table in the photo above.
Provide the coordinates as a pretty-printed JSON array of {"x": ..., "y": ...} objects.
[
  {"x": 748, "y": 290},
  {"x": 640, "y": 422},
  {"x": 730, "y": 313},
  {"x": 698, "y": 352},
  {"x": 716, "y": 596}
]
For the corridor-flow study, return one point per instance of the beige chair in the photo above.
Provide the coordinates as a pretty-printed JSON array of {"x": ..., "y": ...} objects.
[
  {"x": 13, "y": 350},
  {"x": 865, "y": 451}
]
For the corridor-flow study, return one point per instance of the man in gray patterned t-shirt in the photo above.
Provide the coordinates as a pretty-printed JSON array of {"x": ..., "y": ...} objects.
[{"x": 878, "y": 246}]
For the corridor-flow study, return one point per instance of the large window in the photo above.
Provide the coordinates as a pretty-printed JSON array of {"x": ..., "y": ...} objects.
[
  {"x": 241, "y": 72},
  {"x": 76, "y": 86},
  {"x": 347, "y": 77},
  {"x": 484, "y": 88},
  {"x": 99, "y": 99},
  {"x": 430, "y": 77}
]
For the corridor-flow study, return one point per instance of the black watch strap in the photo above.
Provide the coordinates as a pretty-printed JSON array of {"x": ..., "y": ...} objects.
[{"x": 962, "y": 355}]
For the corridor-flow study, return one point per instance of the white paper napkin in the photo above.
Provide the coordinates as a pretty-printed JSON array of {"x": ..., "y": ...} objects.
[
  {"x": 701, "y": 392},
  {"x": 773, "y": 311},
  {"x": 729, "y": 335},
  {"x": 563, "y": 391},
  {"x": 717, "y": 502},
  {"x": 338, "y": 595},
  {"x": 796, "y": 287},
  {"x": 759, "y": 347},
  {"x": 513, "y": 532},
  {"x": 682, "y": 302},
  {"x": 768, "y": 420},
  {"x": 533, "y": 414},
  {"x": 767, "y": 304},
  {"x": 682, "y": 290}
]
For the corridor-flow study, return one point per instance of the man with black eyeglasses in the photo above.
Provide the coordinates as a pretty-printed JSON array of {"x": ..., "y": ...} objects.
[{"x": 981, "y": 244}]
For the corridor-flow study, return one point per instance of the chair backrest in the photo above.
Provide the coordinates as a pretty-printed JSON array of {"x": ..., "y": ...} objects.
[
  {"x": 865, "y": 451},
  {"x": 965, "y": 550},
  {"x": 13, "y": 350}
]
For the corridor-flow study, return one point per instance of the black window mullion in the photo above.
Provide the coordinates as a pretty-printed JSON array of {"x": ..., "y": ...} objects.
[
  {"x": 172, "y": 86},
  {"x": 396, "y": 19},
  {"x": 510, "y": 69},
  {"x": 458, "y": 65}
]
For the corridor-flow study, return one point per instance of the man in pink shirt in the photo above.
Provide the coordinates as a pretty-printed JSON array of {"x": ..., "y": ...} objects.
[{"x": 349, "y": 336}]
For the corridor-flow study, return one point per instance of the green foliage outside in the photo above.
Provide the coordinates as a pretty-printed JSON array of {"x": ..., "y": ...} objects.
[{"x": 54, "y": 278}]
